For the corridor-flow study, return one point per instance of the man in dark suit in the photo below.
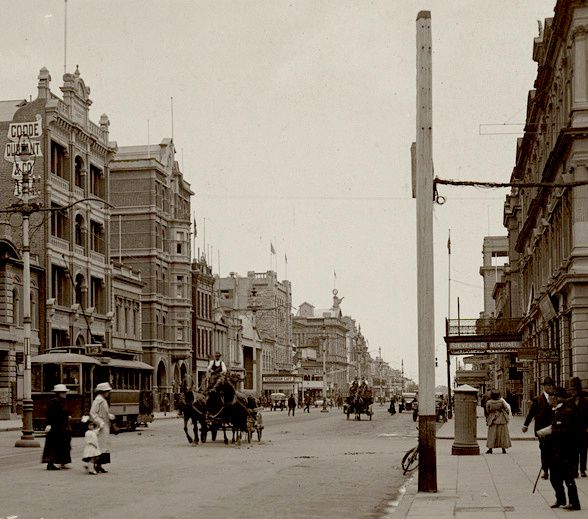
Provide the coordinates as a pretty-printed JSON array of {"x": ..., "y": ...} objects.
[
  {"x": 541, "y": 410},
  {"x": 579, "y": 402},
  {"x": 559, "y": 441}
]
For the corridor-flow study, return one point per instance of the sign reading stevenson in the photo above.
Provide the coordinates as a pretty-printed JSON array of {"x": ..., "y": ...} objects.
[{"x": 466, "y": 348}]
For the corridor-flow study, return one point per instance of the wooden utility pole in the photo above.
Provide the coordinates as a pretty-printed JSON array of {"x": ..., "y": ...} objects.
[{"x": 427, "y": 481}]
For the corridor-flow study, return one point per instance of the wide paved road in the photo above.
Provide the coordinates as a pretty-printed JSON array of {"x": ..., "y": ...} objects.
[{"x": 310, "y": 465}]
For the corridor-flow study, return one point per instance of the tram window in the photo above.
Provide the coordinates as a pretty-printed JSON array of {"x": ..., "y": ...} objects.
[
  {"x": 36, "y": 378},
  {"x": 51, "y": 376},
  {"x": 86, "y": 378},
  {"x": 71, "y": 377}
]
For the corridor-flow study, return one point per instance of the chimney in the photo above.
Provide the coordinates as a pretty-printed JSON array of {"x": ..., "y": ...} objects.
[{"x": 43, "y": 86}]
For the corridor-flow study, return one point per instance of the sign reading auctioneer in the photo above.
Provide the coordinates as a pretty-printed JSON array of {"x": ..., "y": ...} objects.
[{"x": 488, "y": 347}]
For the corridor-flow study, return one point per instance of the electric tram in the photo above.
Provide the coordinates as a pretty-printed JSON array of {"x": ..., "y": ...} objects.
[{"x": 81, "y": 368}]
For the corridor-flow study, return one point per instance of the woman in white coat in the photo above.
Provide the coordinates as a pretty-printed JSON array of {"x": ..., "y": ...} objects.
[{"x": 100, "y": 415}]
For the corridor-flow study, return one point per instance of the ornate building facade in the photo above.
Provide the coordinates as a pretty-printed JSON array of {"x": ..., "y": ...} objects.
[
  {"x": 546, "y": 281},
  {"x": 150, "y": 232}
]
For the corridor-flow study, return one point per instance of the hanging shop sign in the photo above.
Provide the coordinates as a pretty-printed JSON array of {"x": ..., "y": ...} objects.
[{"x": 488, "y": 347}]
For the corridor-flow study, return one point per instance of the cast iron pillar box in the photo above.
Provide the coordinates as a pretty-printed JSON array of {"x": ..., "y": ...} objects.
[{"x": 465, "y": 400}]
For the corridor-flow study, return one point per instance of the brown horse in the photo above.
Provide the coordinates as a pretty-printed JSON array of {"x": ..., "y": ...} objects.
[{"x": 195, "y": 410}]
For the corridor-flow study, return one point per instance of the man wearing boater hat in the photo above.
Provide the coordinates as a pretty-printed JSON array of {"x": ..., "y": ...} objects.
[{"x": 541, "y": 410}]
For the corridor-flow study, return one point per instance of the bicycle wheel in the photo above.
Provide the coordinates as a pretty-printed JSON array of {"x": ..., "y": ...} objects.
[{"x": 410, "y": 460}]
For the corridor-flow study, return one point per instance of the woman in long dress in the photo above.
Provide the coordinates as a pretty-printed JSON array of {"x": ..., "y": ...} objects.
[
  {"x": 101, "y": 416},
  {"x": 57, "y": 448},
  {"x": 497, "y": 418}
]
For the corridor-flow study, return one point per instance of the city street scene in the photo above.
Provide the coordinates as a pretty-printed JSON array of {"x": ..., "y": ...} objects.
[{"x": 294, "y": 259}]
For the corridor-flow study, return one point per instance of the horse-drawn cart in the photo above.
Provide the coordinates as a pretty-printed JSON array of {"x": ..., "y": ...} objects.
[{"x": 358, "y": 406}]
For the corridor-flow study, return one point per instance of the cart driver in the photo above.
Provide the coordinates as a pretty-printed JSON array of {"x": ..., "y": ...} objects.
[
  {"x": 216, "y": 367},
  {"x": 353, "y": 388}
]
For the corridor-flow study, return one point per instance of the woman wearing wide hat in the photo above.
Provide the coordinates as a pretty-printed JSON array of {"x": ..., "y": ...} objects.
[
  {"x": 100, "y": 414},
  {"x": 57, "y": 448}
]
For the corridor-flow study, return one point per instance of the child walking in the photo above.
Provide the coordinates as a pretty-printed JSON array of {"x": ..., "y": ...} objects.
[{"x": 92, "y": 452}]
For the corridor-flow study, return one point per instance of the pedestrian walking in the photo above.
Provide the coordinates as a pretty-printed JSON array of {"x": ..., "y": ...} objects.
[
  {"x": 307, "y": 401},
  {"x": 57, "y": 449},
  {"x": 497, "y": 418},
  {"x": 101, "y": 416},
  {"x": 579, "y": 401},
  {"x": 291, "y": 405},
  {"x": 92, "y": 452},
  {"x": 560, "y": 451},
  {"x": 541, "y": 411},
  {"x": 392, "y": 408}
]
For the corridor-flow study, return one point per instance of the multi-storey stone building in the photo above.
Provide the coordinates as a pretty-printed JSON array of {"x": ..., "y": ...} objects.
[
  {"x": 546, "y": 282},
  {"x": 127, "y": 289},
  {"x": 72, "y": 295},
  {"x": 269, "y": 301},
  {"x": 150, "y": 232},
  {"x": 71, "y": 242},
  {"x": 11, "y": 318},
  {"x": 214, "y": 327},
  {"x": 325, "y": 331}
]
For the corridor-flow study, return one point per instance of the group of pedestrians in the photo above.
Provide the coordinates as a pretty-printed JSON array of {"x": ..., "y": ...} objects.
[
  {"x": 57, "y": 449},
  {"x": 561, "y": 425}
]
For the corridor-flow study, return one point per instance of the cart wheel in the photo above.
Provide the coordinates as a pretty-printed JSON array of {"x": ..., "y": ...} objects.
[{"x": 259, "y": 429}]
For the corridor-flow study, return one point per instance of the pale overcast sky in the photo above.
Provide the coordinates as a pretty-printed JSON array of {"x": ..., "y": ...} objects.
[{"x": 293, "y": 122}]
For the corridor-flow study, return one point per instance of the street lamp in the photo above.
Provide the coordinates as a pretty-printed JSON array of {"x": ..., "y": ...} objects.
[
  {"x": 24, "y": 161},
  {"x": 324, "y": 337}
]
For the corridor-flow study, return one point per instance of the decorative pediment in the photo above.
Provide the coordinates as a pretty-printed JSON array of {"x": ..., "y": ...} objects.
[{"x": 74, "y": 85}]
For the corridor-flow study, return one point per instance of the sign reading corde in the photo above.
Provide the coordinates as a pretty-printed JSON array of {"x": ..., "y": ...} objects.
[
  {"x": 21, "y": 134},
  {"x": 21, "y": 140}
]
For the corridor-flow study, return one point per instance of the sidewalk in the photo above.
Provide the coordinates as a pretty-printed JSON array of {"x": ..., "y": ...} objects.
[
  {"x": 16, "y": 424},
  {"x": 487, "y": 486}
]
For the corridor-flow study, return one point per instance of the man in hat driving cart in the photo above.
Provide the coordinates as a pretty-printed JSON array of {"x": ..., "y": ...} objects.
[{"x": 216, "y": 367}]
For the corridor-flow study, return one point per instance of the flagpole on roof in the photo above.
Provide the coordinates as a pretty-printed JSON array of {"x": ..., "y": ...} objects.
[{"x": 65, "y": 40}]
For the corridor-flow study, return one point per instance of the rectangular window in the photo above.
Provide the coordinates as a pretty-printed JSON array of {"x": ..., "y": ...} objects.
[
  {"x": 59, "y": 285},
  {"x": 97, "y": 237},
  {"x": 58, "y": 222},
  {"x": 180, "y": 287},
  {"x": 97, "y": 295},
  {"x": 58, "y": 160},
  {"x": 179, "y": 242},
  {"x": 97, "y": 184}
]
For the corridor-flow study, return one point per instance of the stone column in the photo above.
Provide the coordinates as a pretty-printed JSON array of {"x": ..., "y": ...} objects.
[{"x": 466, "y": 422}]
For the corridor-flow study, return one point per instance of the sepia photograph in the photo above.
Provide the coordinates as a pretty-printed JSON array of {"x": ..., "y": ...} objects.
[{"x": 293, "y": 258}]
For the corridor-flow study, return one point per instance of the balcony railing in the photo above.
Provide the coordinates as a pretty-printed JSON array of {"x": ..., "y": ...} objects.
[
  {"x": 97, "y": 257},
  {"x": 60, "y": 183},
  {"x": 482, "y": 326},
  {"x": 59, "y": 243}
]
